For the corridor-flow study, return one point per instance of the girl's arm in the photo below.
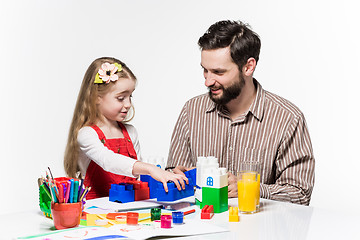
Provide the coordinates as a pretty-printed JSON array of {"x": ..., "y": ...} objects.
[
  {"x": 149, "y": 169},
  {"x": 112, "y": 162},
  {"x": 160, "y": 175},
  {"x": 94, "y": 149}
]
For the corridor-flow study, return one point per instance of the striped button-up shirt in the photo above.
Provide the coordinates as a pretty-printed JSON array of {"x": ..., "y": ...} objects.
[{"x": 273, "y": 131}]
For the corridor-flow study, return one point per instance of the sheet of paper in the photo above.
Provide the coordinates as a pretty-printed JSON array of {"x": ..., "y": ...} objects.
[
  {"x": 189, "y": 228},
  {"x": 146, "y": 229},
  {"x": 141, "y": 231},
  {"x": 78, "y": 233},
  {"x": 108, "y": 206}
]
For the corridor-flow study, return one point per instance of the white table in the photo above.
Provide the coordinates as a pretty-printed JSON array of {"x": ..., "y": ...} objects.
[{"x": 276, "y": 220}]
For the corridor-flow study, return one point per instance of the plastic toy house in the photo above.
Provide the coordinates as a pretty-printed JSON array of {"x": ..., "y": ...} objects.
[
  {"x": 202, "y": 164},
  {"x": 212, "y": 184}
]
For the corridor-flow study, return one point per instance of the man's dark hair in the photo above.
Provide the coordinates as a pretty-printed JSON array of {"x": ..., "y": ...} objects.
[{"x": 243, "y": 42}]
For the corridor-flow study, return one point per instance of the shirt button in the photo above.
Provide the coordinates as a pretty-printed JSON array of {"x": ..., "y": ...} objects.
[{"x": 230, "y": 148}]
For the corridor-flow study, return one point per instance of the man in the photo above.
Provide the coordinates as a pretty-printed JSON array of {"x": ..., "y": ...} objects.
[{"x": 239, "y": 121}]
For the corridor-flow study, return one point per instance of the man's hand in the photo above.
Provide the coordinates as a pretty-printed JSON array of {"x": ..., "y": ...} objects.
[
  {"x": 232, "y": 185},
  {"x": 181, "y": 169}
]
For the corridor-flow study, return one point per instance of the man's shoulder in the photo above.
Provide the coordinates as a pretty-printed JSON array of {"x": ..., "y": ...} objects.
[
  {"x": 282, "y": 104},
  {"x": 202, "y": 100}
]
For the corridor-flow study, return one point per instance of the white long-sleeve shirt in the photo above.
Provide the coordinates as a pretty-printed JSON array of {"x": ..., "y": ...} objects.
[{"x": 91, "y": 148}]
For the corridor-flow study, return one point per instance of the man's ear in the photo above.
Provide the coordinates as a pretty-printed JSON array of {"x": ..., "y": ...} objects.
[{"x": 249, "y": 67}]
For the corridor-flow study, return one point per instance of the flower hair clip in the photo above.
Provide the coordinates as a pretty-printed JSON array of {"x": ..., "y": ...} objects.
[{"x": 107, "y": 73}]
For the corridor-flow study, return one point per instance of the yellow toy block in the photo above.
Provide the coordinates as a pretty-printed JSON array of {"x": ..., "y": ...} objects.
[{"x": 233, "y": 214}]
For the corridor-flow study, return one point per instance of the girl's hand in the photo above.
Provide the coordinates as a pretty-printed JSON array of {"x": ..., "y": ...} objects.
[
  {"x": 181, "y": 169},
  {"x": 165, "y": 176}
]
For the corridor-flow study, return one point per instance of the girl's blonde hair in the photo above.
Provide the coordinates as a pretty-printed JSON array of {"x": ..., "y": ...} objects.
[{"x": 86, "y": 112}]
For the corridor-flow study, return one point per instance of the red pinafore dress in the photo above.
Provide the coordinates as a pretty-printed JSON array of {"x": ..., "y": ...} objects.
[{"x": 96, "y": 177}]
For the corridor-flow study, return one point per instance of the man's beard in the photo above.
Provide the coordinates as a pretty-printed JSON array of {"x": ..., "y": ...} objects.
[{"x": 228, "y": 93}]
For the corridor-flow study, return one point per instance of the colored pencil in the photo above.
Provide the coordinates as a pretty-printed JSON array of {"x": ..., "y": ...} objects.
[
  {"x": 64, "y": 191},
  {"x": 136, "y": 208},
  {"x": 61, "y": 193},
  {"x": 188, "y": 212},
  {"x": 81, "y": 190},
  {"x": 86, "y": 191},
  {"x": 55, "y": 197},
  {"x": 71, "y": 196},
  {"x": 51, "y": 173},
  {"x": 45, "y": 183},
  {"x": 76, "y": 191},
  {"x": 46, "y": 191},
  {"x": 67, "y": 191}
]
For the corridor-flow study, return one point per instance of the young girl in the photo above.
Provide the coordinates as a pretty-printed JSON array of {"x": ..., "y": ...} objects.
[{"x": 101, "y": 145}]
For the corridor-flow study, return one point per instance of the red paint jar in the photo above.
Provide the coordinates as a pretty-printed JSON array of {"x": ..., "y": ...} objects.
[{"x": 132, "y": 218}]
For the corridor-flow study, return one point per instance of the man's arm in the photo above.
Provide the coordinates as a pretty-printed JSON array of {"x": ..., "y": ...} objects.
[
  {"x": 180, "y": 152},
  {"x": 295, "y": 167}
]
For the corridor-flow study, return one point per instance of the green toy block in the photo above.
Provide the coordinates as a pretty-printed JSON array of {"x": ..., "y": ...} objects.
[{"x": 218, "y": 197}]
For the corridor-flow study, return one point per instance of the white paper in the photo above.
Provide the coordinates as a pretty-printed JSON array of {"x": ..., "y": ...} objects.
[
  {"x": 77, "y": 233},
  {"x": 108, "y": 206},
  {"x": 189, "y": 228}
]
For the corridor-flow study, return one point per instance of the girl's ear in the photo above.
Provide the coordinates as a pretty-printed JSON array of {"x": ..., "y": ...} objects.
[{"x": 98, "y": 100}]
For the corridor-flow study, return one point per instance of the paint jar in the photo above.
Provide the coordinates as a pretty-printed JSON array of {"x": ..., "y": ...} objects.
[
  {"x": 165, "y": 221},
  {"x": 155, "y": 214},
  {"x": 132, "y": 218},
  {"x": 66, "y": 215},
  {"x": 178, "y": 217}
]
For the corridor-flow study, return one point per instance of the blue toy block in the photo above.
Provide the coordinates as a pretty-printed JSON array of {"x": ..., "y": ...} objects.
[
  {"x": 191, "y": 174},
  {"x": 173, "y": 193},
  {"x": 122, "y": 192},
  {"x": 152, "y": 184}
]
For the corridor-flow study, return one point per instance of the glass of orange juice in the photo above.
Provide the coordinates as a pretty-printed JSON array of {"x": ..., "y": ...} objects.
[{"x": 248, "y": 183}]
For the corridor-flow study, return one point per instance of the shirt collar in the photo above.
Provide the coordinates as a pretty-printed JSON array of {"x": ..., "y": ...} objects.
[
  {"x": 256, "y": 108},
  {"x": 211, "y": 106}
]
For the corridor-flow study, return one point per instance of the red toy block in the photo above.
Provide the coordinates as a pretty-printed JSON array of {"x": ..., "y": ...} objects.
[
  {"x": 129, "y": 191},
  {"x": 207, "y": 212},
  {"x": 142, "y": 190}
]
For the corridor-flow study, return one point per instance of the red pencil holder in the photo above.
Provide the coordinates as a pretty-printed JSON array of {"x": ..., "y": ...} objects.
[{"x": 66, "y": 215}]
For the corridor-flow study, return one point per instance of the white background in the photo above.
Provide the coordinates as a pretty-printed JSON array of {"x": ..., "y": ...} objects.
[{"x": 310, "y": 55}]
